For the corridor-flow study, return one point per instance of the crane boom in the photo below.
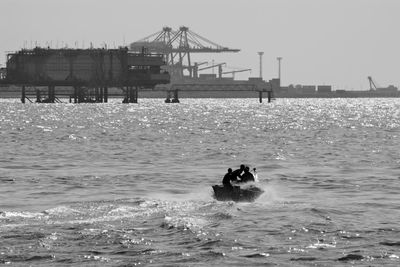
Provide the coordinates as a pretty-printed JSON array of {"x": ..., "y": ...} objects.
[
  {"x": 213, "y": 66},
  {"x": 372, "y": 85},
  {"x": 200, "y": 63},
  {"x": 235, "y": 71}
]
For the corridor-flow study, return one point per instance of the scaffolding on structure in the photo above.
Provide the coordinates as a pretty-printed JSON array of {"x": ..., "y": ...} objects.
[{"x": 84, "y": 70}]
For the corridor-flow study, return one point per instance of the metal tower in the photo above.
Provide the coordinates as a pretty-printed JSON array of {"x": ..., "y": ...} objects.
[
  {"x": 279, "y": 69},
  {"x": 260, "y": 54}
]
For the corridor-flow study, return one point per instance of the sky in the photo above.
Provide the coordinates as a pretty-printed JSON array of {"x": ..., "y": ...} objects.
[{"x": 321, "y": 42}]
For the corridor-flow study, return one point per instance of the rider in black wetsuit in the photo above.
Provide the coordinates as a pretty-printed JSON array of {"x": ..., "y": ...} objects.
[
  {"x": 247, "y": 176},
  {"x": 227, "y": 179},
  {"x": 237, "y": 173}
]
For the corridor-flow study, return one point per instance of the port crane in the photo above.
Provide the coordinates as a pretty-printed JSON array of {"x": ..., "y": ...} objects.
[
  {"x": 235, "y": 71},
  {"x": 177, "y": 47},
  {"x": 215, "y": 65},
  {"x": 372, "y": 85}
]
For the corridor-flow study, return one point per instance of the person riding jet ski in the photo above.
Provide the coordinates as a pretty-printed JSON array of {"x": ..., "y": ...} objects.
[
  {"x": 237, "y": 174},
  {"x": 247, "y": 176}
]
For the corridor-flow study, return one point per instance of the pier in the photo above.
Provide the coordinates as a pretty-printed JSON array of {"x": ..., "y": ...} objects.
[
  {"x": 94, "y": 75},
  {"x": 253, "y": 89}
]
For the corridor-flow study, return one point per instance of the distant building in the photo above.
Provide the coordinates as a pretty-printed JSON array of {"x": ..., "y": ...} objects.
[
  {"x": 308, "y": 89},
  {"x": 284, "y": 89},
  {"x": 389, "y": 89},
  {"x": 274, "y": 84},
  {"x": 298, "y": 88},
  {"x": 324, "y": 88}
]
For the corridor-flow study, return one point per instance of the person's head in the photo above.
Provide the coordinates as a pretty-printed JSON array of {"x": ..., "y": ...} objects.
[
  {"x": 229, "y": 170},
  {"x": 247, "y": 169},
  {"x": 242, "y": 167}
]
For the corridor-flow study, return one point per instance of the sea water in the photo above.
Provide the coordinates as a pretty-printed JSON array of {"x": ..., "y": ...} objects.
[{"x": 130, "y": 184}]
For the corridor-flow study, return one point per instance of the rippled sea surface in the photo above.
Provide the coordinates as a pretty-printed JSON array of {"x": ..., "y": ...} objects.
[{"x": 130, "y": 184}]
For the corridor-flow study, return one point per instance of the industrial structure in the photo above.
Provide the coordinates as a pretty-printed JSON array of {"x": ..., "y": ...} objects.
[
  {"x": 373, "y": 87},
  {"x": 178, "y": 46},
  {"x": 326, "y": 91},
  {"x": 83, "y": 70},
  {"x": 160, "y": 62}
]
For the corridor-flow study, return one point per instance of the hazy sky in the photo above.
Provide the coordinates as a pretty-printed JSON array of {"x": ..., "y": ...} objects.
[{"x": 336, "y": 42}]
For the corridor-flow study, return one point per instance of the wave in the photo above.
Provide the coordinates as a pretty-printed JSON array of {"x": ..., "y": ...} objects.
[{"x": 194, "y": 214}]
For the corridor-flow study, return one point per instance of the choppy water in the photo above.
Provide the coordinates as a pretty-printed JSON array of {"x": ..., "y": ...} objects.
[{"x": 130, "y": 184}]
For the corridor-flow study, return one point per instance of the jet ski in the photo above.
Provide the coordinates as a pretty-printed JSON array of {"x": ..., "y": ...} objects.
[{"x": 237, "y": 194}]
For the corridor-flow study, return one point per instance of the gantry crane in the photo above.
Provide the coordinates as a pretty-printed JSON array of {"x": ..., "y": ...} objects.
[
  {"x": 177, "y": 47},
  {"x": 235, "y": 71}
]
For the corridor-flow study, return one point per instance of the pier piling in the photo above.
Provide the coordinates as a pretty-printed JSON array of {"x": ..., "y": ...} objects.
[
  {"x": 51, "y": 94},
  {"x": 101, "y": 98},
  {"x": 168, "y": 99},
  {"x": 176, "y": 98},
  {"x": 135, "y": 92},
  {"x": 38, "y": 96},
  {"x": 105, "y": 94},
  {"x": 23, "y": 96},
  {"x": 131, "y": 94}
]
